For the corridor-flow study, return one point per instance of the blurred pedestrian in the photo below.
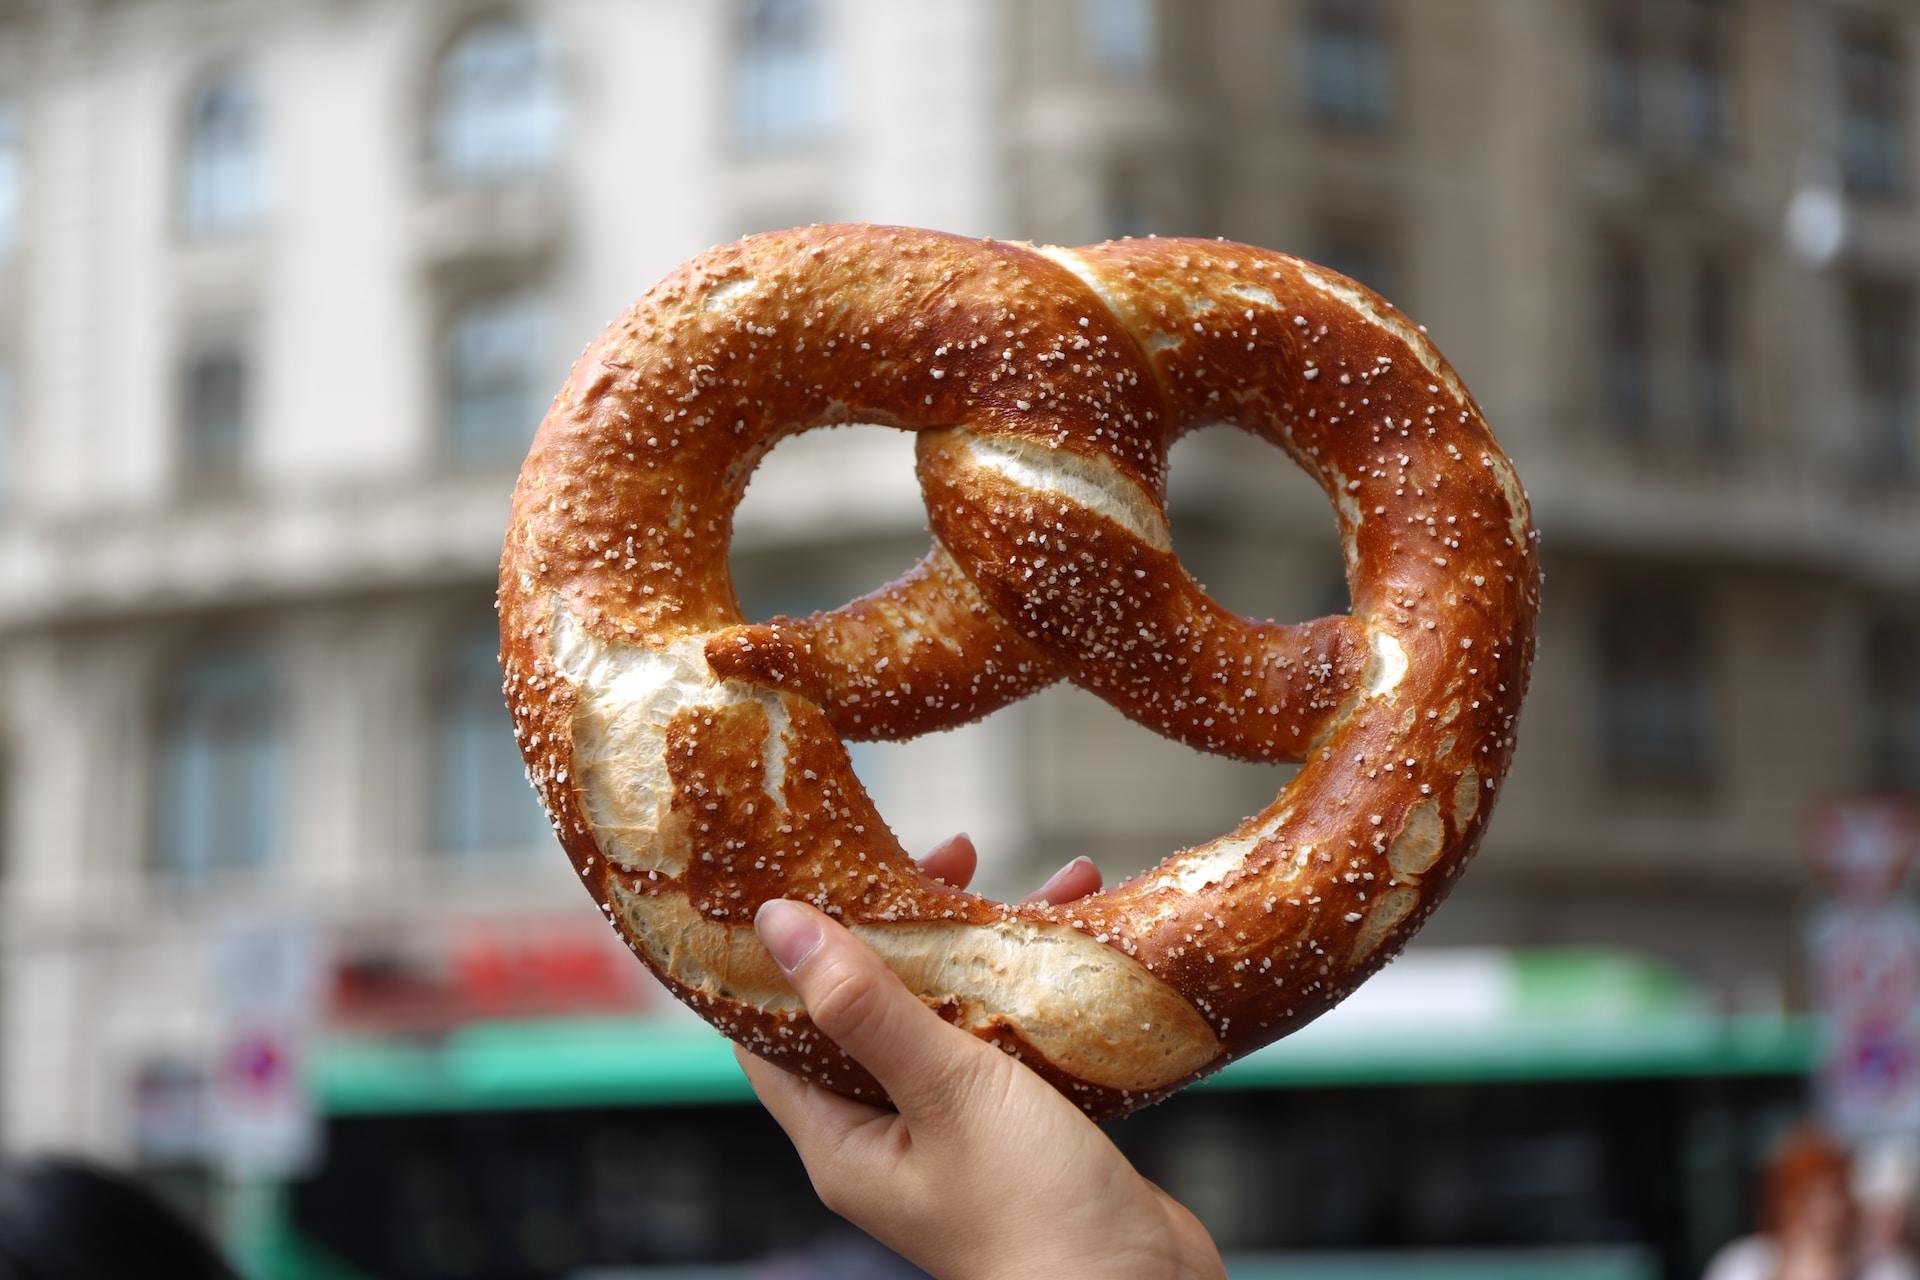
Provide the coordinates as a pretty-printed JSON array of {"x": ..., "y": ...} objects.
[
  {"x": 65, "y": 1219},
  {"x": 1886, "y": 1175},
  {"x": 1808, "y": 1221}
]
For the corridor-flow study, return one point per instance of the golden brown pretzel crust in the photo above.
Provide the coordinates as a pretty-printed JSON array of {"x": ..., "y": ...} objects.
[{"x": 693, "y": 763}]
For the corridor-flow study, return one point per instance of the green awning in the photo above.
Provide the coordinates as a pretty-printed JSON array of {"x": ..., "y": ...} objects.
[{"x": 1522, "y": 1016}]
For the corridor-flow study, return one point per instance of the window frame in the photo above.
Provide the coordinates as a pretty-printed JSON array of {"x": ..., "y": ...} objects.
[
  {"x": 1670, "y": 359},
  {"x": 1129, "y": 48},
  {"x": 205, "y": 208},
  {"x": 1885, "y": 107},
  {"x": 1684, "y": 745},
  {"x": 453, "y": 717},
  {"x": 263, "y": 786},
  {"x": 1885, "y": 381},
  {"x": 11, "y": 434},
  {"x": 1345, "y": 240},
  {"x": 1706, "y": 52},
  {"x": 230, "y": 478},
  {"x": 1624, "y": 365},
  {"x": 13, "y": 173},
  {"x": 752, "y": 125},
  {"x": 480, "y": 454},
  {"x": 543, "y": 119},
  {"x": 1890, "y": 737},
  {"x": 1125, "y": 208},
  {"x": 1667, "y": 72},
  {"x": 10, "y": 790},
  {"x": 1361, "y": 34},
  {"x": 1621, "y": 67},
  {"x": 1716, "y": 352}
]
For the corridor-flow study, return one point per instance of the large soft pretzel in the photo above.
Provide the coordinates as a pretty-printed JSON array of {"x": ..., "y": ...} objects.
[{"x": 693, "y": 763}]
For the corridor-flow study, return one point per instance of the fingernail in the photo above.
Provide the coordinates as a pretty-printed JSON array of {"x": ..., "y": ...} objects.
[
  {"x": 1053, "y": 881},
  {"x": 789, "y": 932},
  {"x": 942, "y": 846}
]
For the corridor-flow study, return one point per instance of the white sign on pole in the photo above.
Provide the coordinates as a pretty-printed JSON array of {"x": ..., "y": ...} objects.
[
  {"x": 1866, "y": 968},
  {"x": 265, "y": 984},
  {"x": 1865, "y": 950}
]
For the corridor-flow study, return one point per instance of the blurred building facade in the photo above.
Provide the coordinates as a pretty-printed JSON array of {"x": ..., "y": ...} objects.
[
  {"x": 342, "y": 256},
  {"x": 1671, "y": 245},
  {"x": 284, "y": 288}
]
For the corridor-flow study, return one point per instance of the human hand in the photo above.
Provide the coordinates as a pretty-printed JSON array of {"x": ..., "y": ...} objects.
[{"x": 985, "y": 1171}]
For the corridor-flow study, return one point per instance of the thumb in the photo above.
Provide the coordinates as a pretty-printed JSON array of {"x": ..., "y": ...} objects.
[{"x": 855, "y": 1000}]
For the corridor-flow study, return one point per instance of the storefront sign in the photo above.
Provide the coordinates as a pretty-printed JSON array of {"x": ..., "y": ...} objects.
[{"x": 479, "y": 971}]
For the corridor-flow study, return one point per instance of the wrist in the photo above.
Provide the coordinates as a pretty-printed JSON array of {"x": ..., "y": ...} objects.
[
  {"x": 1165, "y": 1242},
  {"x": 1195, "y": 1256}
]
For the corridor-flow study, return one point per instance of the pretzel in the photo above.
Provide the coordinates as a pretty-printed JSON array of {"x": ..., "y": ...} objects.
[{"x": 693, "y": 763}]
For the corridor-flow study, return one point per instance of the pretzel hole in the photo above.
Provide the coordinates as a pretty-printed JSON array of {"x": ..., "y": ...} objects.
[
  {"x": 1253, "y": 528},
  {"x": 1150, "y": 795},
  {"x": 827, "y": 516}
]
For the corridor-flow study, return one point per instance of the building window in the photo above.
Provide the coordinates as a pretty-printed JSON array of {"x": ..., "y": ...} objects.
[
  {"x": 12, "y": 176},
  {"x": 1654, "y": 701},
  {"x": 1349, "y": 71},
  {"x": 1716, "y": 355},
  {"x": 780, "y": 89},
  {"x": 482, "y": 801},
  {"x": 7, "y": 868},
  {"x": 1625, "y": 346},
  {"x": 9, "y": 437},
  {"x": 1666, "y": 66},
  {"x": 1360, "y": 252},
  {"x": 1703, "y": 403},
  {"x": 1703, "y": 79},
  {"x": 1622, "y": 71},
  {"x": 1123, "y": 206},
  {"x": 219, "y": 764},
  {"x": 1883, "y": 358},
  {"x": 1893, "y": 704},
  {"x": 220, "y": 174},
  {"x": 1122, "y": 34},
  {"x": 496, "y": 104},
  {"x": 497, "y": 380},
  {"x": 1873, "y": 113},
  {"x": 213, "y": 421}
]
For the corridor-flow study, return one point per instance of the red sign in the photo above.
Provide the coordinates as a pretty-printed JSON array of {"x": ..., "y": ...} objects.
[
  {"x": 258, "y": 1063},
  {"x": 485, "y": 971},
  {"x": 1863, "y": 845}
]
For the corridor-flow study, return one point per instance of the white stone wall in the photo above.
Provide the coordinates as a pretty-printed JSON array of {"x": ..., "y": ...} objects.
[{"x": 352, "y": 548}]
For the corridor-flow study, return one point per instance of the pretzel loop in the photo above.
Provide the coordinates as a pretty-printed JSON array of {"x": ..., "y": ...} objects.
[{"x": 693, "y": 762}]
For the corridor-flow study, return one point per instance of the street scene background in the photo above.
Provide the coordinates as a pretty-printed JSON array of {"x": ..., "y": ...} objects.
[{"x": 286, "y": 285}]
